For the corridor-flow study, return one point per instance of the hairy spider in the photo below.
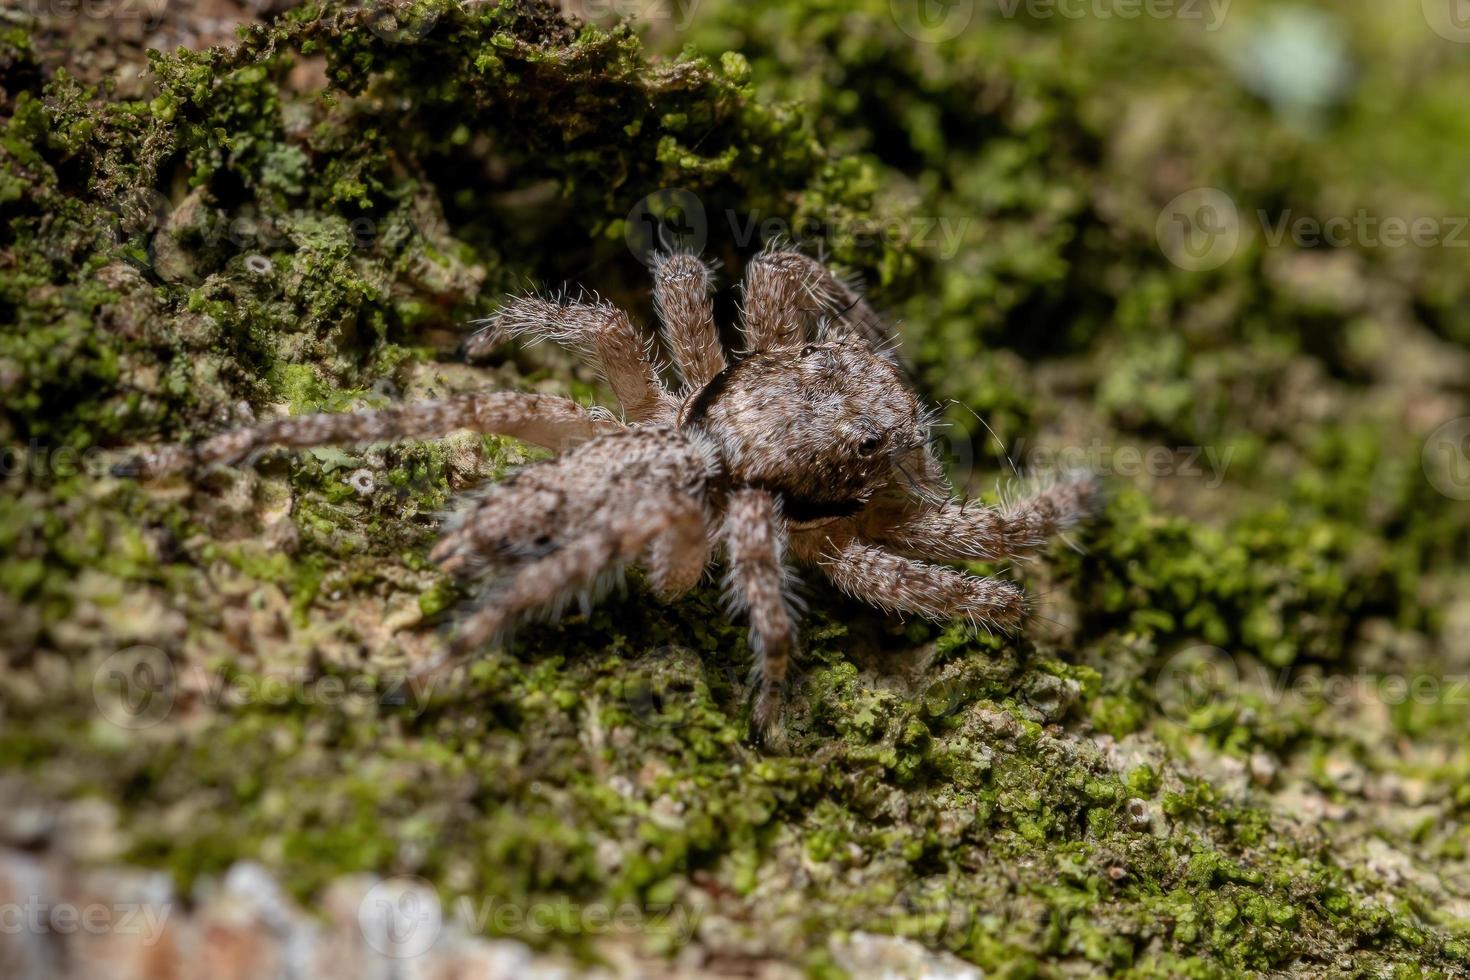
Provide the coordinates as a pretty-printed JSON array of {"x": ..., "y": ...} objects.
[{"x": 810, "y": 444}]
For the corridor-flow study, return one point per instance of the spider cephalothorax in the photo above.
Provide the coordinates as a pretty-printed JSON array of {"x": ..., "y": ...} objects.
[
  {"x": 820, "y": 427},
  {"x": 809, "y": 444}
]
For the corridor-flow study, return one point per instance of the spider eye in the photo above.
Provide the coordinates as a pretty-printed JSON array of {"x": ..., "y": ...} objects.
[
  {"x": 870, "y": 445},
  {"x": 808, "y": 350}
]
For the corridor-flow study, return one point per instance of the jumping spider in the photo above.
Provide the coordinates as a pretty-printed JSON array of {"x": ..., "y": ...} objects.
[{"x": 809, "y": 443}]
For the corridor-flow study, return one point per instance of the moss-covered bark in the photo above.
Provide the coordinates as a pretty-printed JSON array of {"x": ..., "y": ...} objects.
[{"x": 304, "y": 220}]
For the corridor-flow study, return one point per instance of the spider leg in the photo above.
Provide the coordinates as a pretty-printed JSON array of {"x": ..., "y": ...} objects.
[
  {"x": 576, "y": 566},
  {"x": 543, "y": 506},
  {"x": 520, "y": 519},
  {"x": 758, "y": 583},
  {"x": 963, "y": 532},
  {"x": 545, "y": 420},
  {"x": 681, "y": 294},
  {"x": 903, "y": 585},
  {"x": 786, "y": 294},
  {"x": 677, "y": 557},
  {"x": 774, "y": 304},
  {"x": 600, "y": 329},
  {"x": 514, "y": 520}
]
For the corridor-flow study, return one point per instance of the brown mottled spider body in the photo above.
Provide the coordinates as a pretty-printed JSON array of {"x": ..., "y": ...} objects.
[{"x": 809, "y": 447}]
